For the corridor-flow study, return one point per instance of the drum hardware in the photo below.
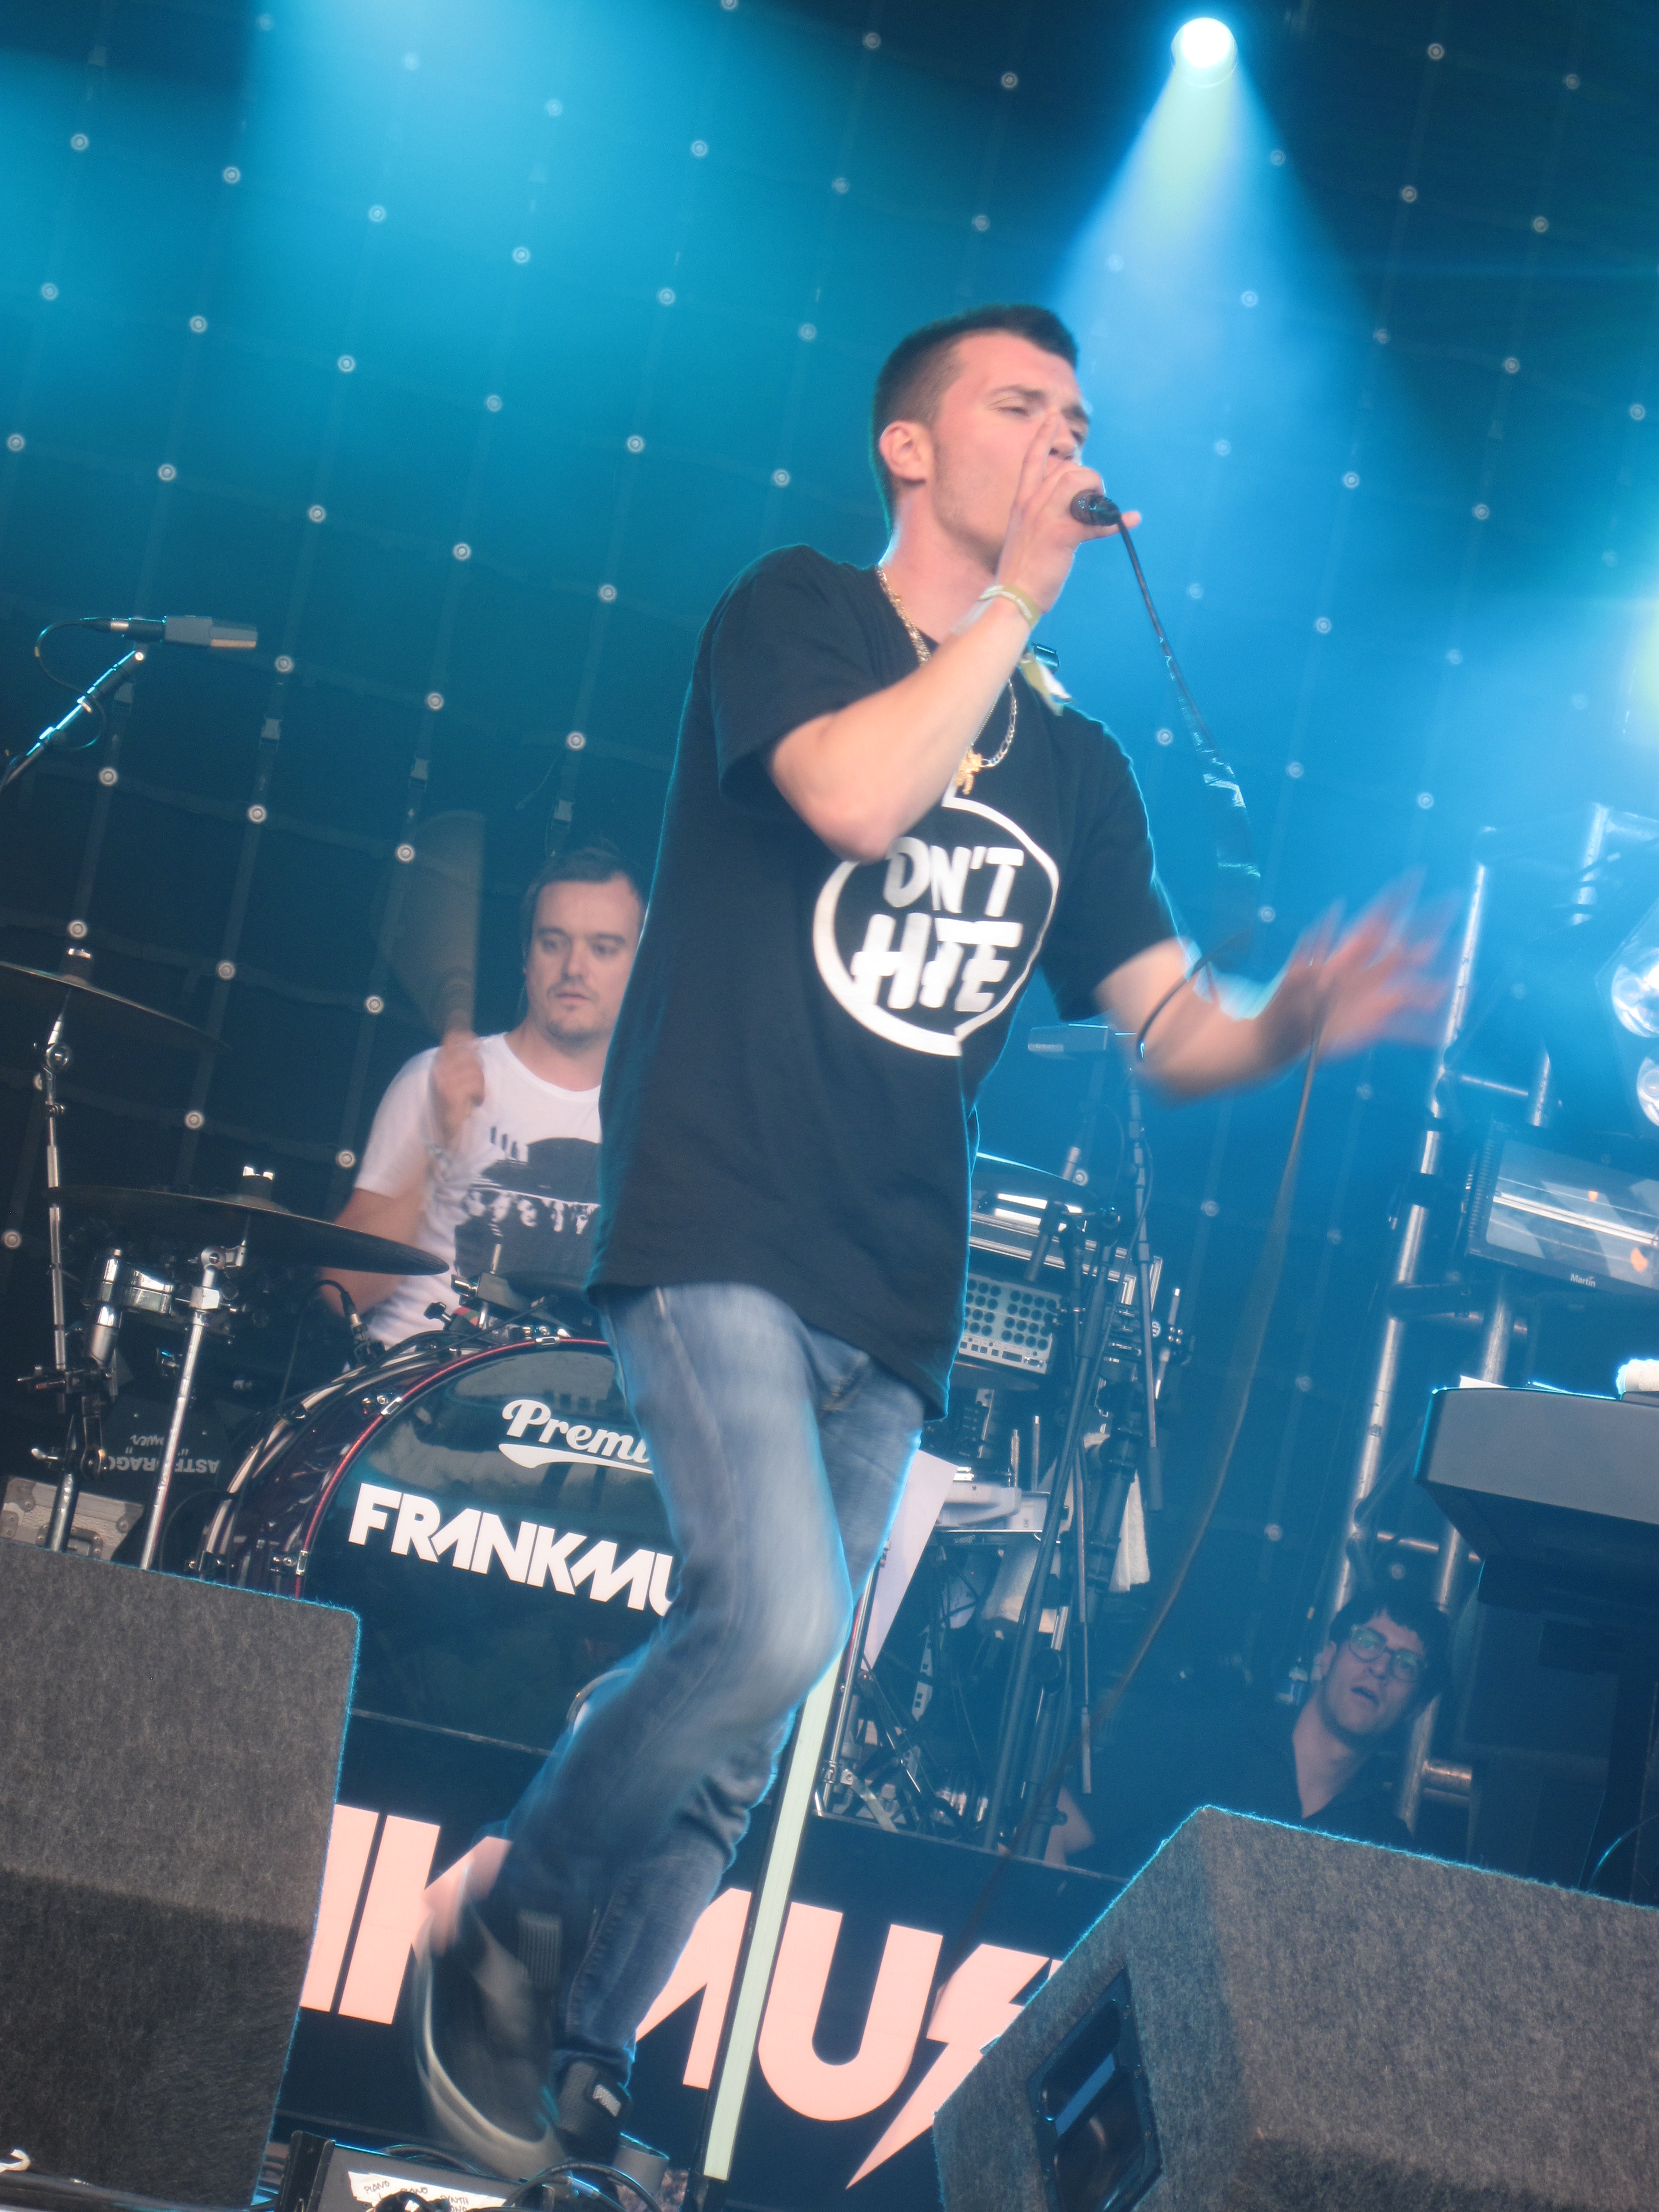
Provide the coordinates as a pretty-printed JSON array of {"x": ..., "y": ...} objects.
[
  {"x": 219, "y": 1231},
  {"x": 211, "y": 1305},
  {"x": 515, "y": 1309},
  {"x": 54, "y": 1061},
  {"x": 495, "y": 1290},
  {"x": 194, "y": 1219},
  {"x": 74, "y": 991},
  {"x": 117, "y": 1286},
  {"x": 485, "y": 1305},
  {"x": 81, "y": 1389}
]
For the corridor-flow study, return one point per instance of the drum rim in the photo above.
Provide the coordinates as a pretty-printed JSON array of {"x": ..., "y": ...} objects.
[{"x": 403, "y": 1401}]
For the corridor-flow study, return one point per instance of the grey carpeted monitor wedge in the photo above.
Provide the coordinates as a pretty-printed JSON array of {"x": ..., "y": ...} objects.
[
  {"x": 1327, "y": 2026},
  {"x": 167, "y": 1759}
]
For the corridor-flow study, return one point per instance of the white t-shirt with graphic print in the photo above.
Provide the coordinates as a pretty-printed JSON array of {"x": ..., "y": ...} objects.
[{"x": 515, "y": 1195}]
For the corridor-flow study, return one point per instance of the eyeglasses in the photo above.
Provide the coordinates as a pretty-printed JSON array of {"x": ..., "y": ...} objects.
[{"x": 1404, "y": 1666}]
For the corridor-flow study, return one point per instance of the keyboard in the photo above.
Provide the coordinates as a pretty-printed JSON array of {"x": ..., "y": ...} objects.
[{"x": 1555, "y": 1492}]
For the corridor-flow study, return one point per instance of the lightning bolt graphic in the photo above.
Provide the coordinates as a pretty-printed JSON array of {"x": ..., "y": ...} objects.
[{"x": 972, "y": 2010}]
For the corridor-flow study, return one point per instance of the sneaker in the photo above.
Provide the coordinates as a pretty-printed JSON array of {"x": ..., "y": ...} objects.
[
  {"x": 486, "y": 2021},
  {"x": 588, "y": 2119}
]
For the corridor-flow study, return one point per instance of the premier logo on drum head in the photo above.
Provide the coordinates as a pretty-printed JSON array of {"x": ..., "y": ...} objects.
[{"x": 582, "y": 1441}]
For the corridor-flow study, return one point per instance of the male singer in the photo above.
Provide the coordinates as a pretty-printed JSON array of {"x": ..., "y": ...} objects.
[{"x": 882, "y": 820}]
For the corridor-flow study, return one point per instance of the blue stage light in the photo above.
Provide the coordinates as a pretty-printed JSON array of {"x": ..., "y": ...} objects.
[{"x": 1205, "y": 49}]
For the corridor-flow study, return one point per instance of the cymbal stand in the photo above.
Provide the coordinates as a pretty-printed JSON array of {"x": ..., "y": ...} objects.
[
  {"x": 54, "y": 1062},
  {"x": 79, "y": 1417},
  {"x": 208, "y": 1300}
]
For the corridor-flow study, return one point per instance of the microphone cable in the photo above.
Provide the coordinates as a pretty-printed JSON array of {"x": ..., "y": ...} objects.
[{"x": 1238, "y": 879}]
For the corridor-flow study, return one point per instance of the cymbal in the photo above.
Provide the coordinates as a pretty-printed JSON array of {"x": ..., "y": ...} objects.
[
  {"x": 274, "y": 1233},
  {"x": 105, "y": 1010}
]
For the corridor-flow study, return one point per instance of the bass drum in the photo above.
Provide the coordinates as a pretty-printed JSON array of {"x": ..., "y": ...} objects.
[{"x": 490, "y": 1518}]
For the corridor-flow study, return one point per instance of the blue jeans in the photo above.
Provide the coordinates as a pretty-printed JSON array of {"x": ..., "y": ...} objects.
[{"x": 780, "y": 1453}]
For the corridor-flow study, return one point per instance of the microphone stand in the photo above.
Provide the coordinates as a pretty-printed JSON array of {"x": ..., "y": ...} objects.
[
  {"x": 1067, "y": 1470},
  {"x": 81, "y": 1390},
  {"x": 1143, "y": 1258},
  {"x": 88, "y": 703}
]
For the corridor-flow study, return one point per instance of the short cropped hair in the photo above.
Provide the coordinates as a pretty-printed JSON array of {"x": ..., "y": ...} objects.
[
  {"x": 600, "y": 863},
  {"x": 920, "y": 370},
  {"x": 1409, "y": 1609}
]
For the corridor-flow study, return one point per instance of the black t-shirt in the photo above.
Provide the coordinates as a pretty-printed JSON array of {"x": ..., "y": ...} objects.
[
  {"x": 1238, "y": 1753},
  {"x": 788, "y": 1097}
]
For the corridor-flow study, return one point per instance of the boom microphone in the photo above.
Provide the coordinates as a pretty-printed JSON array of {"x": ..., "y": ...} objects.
[
  {"x": 176, "y": 629},
  {"x": 1094, "y": 508},
  {"x": 140, "y": 630}
]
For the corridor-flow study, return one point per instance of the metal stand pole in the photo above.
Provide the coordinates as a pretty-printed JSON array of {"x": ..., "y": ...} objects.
[
  {"x": 1078, "y": 1155},
  {"x": 1067, "y": 1465},
  {"x": 207, "y": 1298},
  {"x": 1449, "y": 1564},
  {"x": 849, "y": 1685},
  {"x": 1408, "y": 1252},
  {"x": 1080, "y": 1554},
  {"x": 54, "y": 1062},
  {"x": 1144, "y": 1291},
  {"x": 111, "y": 680}
]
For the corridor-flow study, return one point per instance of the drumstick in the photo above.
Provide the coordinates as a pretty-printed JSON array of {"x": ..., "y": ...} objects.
[{"x": 435, "y": 955}]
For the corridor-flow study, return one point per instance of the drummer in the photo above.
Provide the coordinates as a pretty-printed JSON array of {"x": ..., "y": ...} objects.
[{"x": 484, "y": 1151}]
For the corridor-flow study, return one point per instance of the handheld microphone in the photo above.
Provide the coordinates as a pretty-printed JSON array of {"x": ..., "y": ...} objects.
[
  {"x": 177, "y": 629},
  {"x": 1096, "y": 509}
]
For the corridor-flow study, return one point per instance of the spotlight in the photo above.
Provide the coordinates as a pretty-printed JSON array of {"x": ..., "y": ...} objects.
[
  {"x": 1205, "y": 50},
  {"x": 1635, "y": 992}
]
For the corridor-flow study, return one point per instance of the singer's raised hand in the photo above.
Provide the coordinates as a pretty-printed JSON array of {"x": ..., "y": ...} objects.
[
  {"x": 1355, "y": 987},
  {"x": 1043, "y": 533}
]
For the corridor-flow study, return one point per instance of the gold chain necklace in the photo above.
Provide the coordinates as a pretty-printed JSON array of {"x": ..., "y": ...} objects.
[{"x": 973, "y": 762}]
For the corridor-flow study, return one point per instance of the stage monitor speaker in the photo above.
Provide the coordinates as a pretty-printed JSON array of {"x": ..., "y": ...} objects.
[
  {"x": 168, "y": 1751},
  {"x": 1269, "y": 2020}
]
